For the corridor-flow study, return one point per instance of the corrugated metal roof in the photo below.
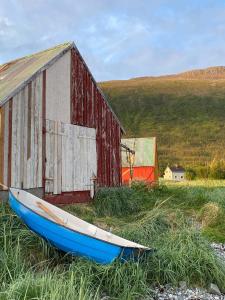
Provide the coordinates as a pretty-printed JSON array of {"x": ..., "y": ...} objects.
[
  {"x": 145, "y": 149},
  {"x": 14, "y": 73}
]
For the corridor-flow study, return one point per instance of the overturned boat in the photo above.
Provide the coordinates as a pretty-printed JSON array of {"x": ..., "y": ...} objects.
[{"x": 69, "y": 233}]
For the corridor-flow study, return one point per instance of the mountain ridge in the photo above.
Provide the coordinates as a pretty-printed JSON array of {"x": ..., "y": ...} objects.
[{"x": 187, "y": 116}]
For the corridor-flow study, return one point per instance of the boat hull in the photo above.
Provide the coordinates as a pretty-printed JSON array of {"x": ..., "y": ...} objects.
[{"x": 68, "y": 240}]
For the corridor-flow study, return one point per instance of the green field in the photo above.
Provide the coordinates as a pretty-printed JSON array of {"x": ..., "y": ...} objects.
[
  {"x": 178, "y": 220},
  {"x": 187, "y": 115}
]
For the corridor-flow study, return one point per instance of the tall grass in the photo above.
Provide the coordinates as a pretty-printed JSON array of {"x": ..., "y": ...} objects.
[
  {"x": 182, "y": 253},
  {"x": 32, "y": 269},
  {"x": 117, "y": 201}
]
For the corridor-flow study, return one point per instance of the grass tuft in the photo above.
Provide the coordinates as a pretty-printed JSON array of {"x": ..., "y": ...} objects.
[{"x": 120, "y": 201}]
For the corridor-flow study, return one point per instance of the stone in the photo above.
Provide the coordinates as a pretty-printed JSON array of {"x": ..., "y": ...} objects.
[
  {"x": 213, "y": 289},
  {"x": 183, "y": 285}
]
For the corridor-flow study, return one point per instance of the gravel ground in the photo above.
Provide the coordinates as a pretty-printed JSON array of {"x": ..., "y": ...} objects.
[
  {"x": 163, "y": 293},
  {"x": 219, "y": 249},
  {"x": 184, "y": 293}
]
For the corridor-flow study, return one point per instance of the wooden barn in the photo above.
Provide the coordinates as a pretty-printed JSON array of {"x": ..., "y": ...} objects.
[
  {"x": 58, "y": 135},
  {"x": 140, "y": 160}
]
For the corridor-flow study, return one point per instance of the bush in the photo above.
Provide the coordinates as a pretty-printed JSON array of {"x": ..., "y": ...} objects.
[
  {"x": 217, "y": 169},
  {"x": 190, "y": 174},
  {"x": 120, "y": 201},
  {"x": 202, "y": 172}
]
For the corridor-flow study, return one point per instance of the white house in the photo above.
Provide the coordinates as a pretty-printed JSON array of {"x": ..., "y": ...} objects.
[{"x": 176, "y": 173}]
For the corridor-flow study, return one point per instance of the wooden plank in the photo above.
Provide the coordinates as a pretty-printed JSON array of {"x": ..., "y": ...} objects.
[
  {"x": 29, "y": 120},
  {"x": 39, "y": 130},
  {"x": 2, "y": 122},
  {"x": 58, "y": 90},
  {"x": 26, "y": 177},
  {"x": 47, "y": 146},
  {"x": 43, "y": 128},
  {"x": 15, "y": 164},
  {"x": 64, "y": 155},
  {"x": 59, "y": 158},
  {"x": 22, "y": 95},
  {"x": 55, "y": 154},
  {"x": 50, "y": 213},
  {"x": 6, "y": 142}
]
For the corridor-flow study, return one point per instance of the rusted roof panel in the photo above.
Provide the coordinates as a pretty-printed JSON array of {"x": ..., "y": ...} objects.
[
  {"x": 15, "y": 73},
  {"x": 145, "y": 149}
]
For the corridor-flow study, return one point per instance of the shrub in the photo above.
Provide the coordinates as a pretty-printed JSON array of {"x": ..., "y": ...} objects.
[
  {"x": 190, "y": 174},
  {"x": 202, "y": 172},
  {"x": 217, "y": 169}
]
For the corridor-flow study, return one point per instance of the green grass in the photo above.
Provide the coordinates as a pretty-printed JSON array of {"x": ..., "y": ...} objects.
[
  {"x": 186, "y": 116},
  {"x": 166, "y": 218}
]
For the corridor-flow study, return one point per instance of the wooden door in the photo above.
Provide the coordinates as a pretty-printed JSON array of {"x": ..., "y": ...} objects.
[{"x": 71, "y": 158}]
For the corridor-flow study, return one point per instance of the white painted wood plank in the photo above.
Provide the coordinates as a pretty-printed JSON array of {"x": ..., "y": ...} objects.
[
  {"x": 59, "y": 158},
  {"x": 25, "y": 137},
  {"x": 55, "y": 153},
  {"x": 40, "y": 128},
  {"x": 58, "y": 90}
]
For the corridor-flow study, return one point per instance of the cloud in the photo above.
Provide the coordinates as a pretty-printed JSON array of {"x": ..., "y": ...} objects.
[{"x": 119, "y": 39}]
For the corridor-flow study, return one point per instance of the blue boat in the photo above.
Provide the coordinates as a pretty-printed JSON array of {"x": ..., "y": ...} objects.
[{"x": 69, "y": 233}]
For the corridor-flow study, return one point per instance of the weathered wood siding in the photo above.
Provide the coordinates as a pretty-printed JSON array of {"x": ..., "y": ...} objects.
[
  {"x": 22, "y": 153},
  {"x": 1, "y": 145},
  {"x": 58, "y": 90},
  {"x": 88, "y": 108},
  {"x": 59, "y": 131},
  {"x": 71, "y": 159}
]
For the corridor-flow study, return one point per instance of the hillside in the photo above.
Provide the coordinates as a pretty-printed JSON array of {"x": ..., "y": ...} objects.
[{"x": 185, "y": 111}]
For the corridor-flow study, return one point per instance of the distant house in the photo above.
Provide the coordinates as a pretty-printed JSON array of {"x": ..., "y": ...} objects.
[
  {"x": 142, "y": 163},
  {"x": 176, "y": 173}
]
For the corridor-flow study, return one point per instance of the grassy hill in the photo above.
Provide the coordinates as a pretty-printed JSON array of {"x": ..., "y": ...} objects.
[{"x": 186, "y": 112}]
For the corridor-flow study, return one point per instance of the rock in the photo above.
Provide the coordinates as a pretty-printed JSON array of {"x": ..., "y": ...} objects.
[
  {"x": 213, "y": 289},
  {"x": 161, "y": 289},
  {"x": 183, "y": 285}
]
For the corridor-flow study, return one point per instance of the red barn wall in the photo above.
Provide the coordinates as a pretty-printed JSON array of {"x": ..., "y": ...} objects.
[
  {"x": 148, "y": 174},
  {"x": 89, "y": 108}
]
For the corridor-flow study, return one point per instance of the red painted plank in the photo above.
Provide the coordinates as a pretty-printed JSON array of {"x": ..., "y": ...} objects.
[
  {"x": 90, "y": 109},
  {"x": 43, "y": 128},
  {"x": 10, "y": 144},
  {"x": 69, "y": 197}
]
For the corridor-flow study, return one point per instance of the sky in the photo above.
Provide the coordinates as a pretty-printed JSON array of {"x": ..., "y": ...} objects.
[{"x": 119, "y": 39}]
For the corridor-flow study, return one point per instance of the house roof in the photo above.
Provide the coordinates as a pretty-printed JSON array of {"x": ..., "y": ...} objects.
[
  {"x": 145, "y": 151},
  {"x": 14, "y": 75},
  {"x": 177, "y": 169}
]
